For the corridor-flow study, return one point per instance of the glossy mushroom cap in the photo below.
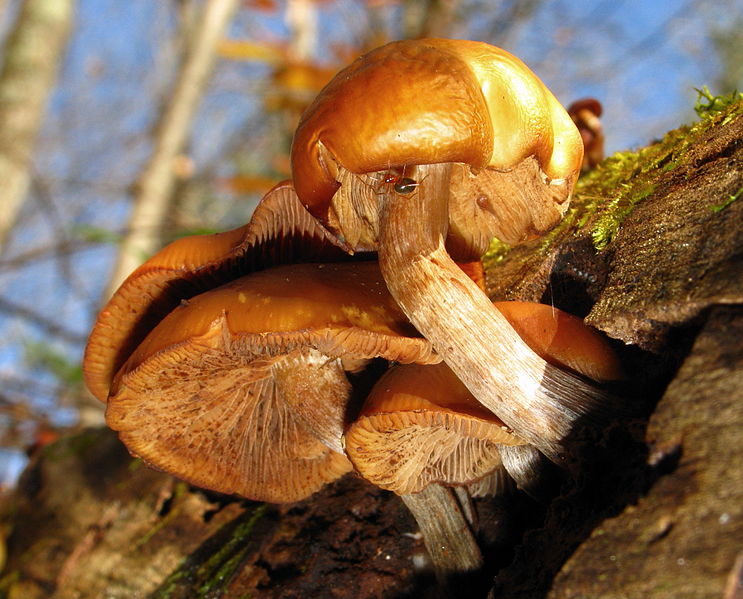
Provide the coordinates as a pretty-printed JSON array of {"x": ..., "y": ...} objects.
[
  {"x": 209, "y": 395},
  {"x": 590, "y": 104},
  {"x": 423, "y": 151},
  {"x": 425, "y": 102},
  {"x": 281, "y": 231},
  {"x": 563, "y": 340}
]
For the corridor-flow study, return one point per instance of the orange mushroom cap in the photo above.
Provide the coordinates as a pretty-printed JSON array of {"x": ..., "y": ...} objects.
[
  {"x": 206, "y": 395},
  {"x": 420, "y": 424},
  {"x": 563, "y": 339},
  {"x": 280, "y": 231},
  {"x": 425, "y": 102},
  {"x": 590, "y": 104},
  {"x": 585, "y": 114}
]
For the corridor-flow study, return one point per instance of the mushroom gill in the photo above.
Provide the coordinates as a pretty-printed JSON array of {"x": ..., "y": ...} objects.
[{"x": 206, "y": 395}]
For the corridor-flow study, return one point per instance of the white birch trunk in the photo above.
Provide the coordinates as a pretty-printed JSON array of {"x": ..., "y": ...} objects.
[{"x": 33, "y": 54}]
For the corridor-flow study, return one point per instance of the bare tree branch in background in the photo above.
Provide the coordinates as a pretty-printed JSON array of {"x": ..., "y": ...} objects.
[
  {"x": 50, "y": 325},
  {"x": 156, "y": 183},
  {"x": 429, "y": 18},
  {"x": 32, "y": 57}
]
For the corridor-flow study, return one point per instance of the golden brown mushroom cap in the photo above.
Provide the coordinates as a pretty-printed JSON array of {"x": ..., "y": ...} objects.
[
  {"x": 425, "y": 102},
  {"x": 204, "y": 396},
  {"x": 585, "y": 114},
  {"x": 280, "y": 231},
  {"x": 563, "y": 339},
  {"x": 420, "y": 425}
]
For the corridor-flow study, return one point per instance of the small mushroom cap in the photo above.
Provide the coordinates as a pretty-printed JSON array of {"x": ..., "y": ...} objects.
[
  {"x": 203, "y": 396},
  {"x": 281, "y": 231},
  {"x": 590, "y": 104},
  {"x": 563, "y": 340},
  {"x": 421, "y": 425},
  {"x": 585, "y": 114},
  {"x": 430, "y": 101}
]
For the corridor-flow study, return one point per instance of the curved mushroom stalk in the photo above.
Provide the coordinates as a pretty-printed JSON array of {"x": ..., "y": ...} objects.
[
  {"x": 421, "y": 428},
  {"x": 531, "y": 471},
  {"x": 541, "y": 402}
]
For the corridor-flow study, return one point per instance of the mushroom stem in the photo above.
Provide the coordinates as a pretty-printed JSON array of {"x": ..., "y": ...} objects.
[
  {"x": 446, "y": 534},
  {"x": 541, "y": 403},
  {"x": 532, "y": 473},
  {"x": 466, "y": 505}
]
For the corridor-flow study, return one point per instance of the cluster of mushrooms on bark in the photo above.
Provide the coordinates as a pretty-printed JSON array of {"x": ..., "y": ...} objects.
[{"x": 346, "y": 326}]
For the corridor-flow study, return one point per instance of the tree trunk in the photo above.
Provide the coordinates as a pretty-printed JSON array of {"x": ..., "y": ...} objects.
[
  {"x": 657, "y": 511},
  {"x": 155, "y": 186},
  {"x": 33, "y": 53}
]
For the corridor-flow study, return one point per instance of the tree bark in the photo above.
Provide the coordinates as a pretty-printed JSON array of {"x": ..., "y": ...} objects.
[
  {"x": 657, "y": 510},
  {"x": 155, "y": 185},
  {"x": 33, "y": 54}
]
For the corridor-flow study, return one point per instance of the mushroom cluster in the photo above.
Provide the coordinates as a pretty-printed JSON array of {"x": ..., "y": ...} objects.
[
  {"x": 346, "y": 326},
  {"x": 489, "y": 153}
]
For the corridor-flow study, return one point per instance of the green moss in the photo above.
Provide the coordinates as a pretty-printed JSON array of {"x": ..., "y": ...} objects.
[
  {"x": 606, "y": 196},
  {"x": 607, "y": 225},
  {"x": 214, "y": 564},
  {"x": 708, "y": 104},
  {"x": 495, "y": 254},
  {"x": 730, "y": 199},
  {"x": 223, "y": 564},
  {"x": 179, "y": 490}
]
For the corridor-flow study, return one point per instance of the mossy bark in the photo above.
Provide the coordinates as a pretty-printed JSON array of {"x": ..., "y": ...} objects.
[{"x": 651, "y": 253}]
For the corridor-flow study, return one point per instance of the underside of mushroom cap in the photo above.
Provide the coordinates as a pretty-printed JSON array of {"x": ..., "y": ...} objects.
[
  {"x": 420, "y": 425},
  {"x": 483, "y": 107},
  {"x": 213, "y": 415},
  {"x": 407, "y": 451},
  {"x": 203, "y": 396},
  {"x": 281, "y": 231}
]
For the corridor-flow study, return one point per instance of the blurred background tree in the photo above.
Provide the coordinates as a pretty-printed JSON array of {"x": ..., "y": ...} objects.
[{"x": 260, "y": 63}]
